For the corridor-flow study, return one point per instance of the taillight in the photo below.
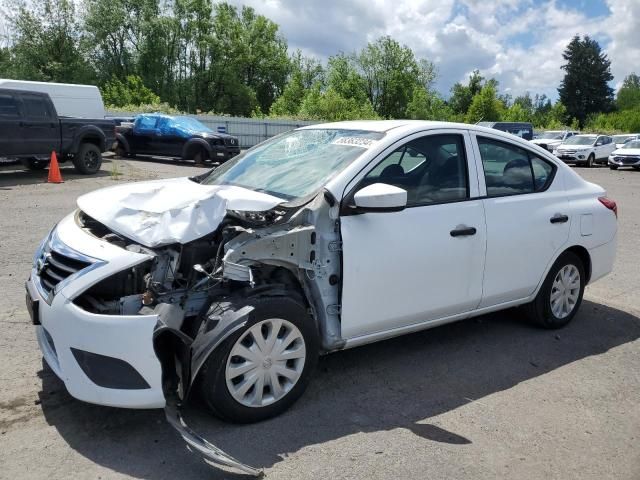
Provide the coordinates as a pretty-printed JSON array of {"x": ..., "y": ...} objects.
[{"x": 610, "y": 204}]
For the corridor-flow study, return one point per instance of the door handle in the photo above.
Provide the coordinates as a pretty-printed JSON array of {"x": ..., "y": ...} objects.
[
  {"x": 462, "y": 231},
  {"x": 558, "y": 218}
]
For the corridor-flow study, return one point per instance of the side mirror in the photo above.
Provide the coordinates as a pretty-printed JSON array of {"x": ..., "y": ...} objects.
[{"x": 380, "y": 197}]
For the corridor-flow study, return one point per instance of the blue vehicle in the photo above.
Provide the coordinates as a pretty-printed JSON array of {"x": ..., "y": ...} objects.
[{"x": 174, "y": 136}]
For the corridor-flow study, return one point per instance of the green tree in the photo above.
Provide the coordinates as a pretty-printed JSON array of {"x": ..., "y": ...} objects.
[
  {"x": 47, "y": 44},
  {"x": 485, "y": 106},
  {"x": 344, "y": 77},
  {"x": 426, "y": 105},
  {"x": 629, "y": 94},
  {"x": 390, "y": 72},
  {"x": 329, "y": 105},
  {"x": 131, "y": 91},
  {"x": 462, "y": 95},
  {"x": 585, "y": 89}
]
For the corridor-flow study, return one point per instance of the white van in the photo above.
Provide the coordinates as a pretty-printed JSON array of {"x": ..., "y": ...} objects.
[{"x": 70, "y": 100}]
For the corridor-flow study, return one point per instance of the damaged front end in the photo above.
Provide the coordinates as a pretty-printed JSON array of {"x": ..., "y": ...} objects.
[{"x": 196, "y": 290}]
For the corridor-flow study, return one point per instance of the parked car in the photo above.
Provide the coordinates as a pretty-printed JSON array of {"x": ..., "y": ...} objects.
[
  {"x": 626, "y": 156},
  {"x": 30, "y": 129},
  {"x": 519, "y": 129},
  {"x": 552, "y": 139},
  {"x": 232, "y": 283},
  {"x": 70, "y": 100},
  {"x": 620, "y": 140},
  {"x": 174, "y": 136},
  {"x": 586, "y": 149}
]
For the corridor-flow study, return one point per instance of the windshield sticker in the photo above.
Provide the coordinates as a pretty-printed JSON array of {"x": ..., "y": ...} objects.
[{"x": 355, "y": 142}]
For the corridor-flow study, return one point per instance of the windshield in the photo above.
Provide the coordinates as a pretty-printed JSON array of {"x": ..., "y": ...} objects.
[
  {"x": 552, "y": 136},
  {"x": 295, "y": 164},
  {"x": 580, "y": 140},
  {"x": 632, "y": 144},
  {"x": 188, "y": 123}
]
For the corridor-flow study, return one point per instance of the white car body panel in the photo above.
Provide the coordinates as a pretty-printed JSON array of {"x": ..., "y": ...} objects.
[
  {"x": 580, "y": 153},
  {"x": 402, "y": 271}
]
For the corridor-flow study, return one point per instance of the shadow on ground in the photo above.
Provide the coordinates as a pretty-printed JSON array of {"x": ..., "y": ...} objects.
[
  {"x": 13, "y": 175},
  {"x": 400, "y": 383}
]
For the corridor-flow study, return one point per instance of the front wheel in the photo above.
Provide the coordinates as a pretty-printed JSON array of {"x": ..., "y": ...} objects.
[
  {"x": 591, "y": 161},
  {"x": 561, "y": 293},
  {"x": 613, "y": 167},
  {"x": 88, "y": 159},
  {"x": 261, "y": 370}
]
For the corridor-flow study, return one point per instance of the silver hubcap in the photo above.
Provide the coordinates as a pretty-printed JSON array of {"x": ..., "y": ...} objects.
[
  {"x": 565, "y": 291},
  {"x": 265, "y": 363}
]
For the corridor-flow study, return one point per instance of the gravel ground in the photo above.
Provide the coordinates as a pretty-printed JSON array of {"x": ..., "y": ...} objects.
[{"x": 485, "y": 398}]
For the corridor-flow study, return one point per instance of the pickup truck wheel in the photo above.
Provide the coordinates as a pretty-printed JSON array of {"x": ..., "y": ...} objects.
[
  {"x": 120, "y": 151},
  {"x": 88, "y": 159},
  {"x": 561, "y": 293},
  {"x": 200, "y": 157},
  {"x": 591, "y": 161},
  {"x": 262, "y": 369},
  {"x": 34, "y": 163}
]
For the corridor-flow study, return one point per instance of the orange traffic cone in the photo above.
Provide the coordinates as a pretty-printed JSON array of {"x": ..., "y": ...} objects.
[{"x": 54, "y": 170}]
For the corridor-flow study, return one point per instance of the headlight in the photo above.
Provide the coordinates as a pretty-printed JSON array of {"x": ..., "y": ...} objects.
[{"x": 45, "y": 241}]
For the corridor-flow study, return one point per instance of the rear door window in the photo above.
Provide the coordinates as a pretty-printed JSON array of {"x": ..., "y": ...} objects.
[
  {"x": 511, "y": 170},
  {"x": 35, "y": 106},
  {"x": 8, "y": 106}
]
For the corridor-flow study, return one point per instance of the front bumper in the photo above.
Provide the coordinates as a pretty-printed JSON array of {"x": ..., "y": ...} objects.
[
  {"x": 102, "y": 359},
  {"x": 621, "y": 161},
  {"x": 577, "y": 157}
]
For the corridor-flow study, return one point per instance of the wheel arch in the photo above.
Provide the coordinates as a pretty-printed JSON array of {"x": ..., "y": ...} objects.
[
  {"x": 584, "y": 256},
  {"x": 193, "y": 145},
  {"x": 90, "y": 134}
]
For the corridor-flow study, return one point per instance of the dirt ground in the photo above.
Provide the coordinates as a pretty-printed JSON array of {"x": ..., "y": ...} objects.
[{"x": 485, "y": 398}]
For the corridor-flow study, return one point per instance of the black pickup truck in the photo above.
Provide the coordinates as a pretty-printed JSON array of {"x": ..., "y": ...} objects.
[
  {"x": 174, "y": 136},
  {"x": 30, "y": 130}
]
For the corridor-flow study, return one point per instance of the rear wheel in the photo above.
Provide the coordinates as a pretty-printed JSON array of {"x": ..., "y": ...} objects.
[
  {"x": 561, "y": 293},
  {"x": 261, "y": 370},
  {"x": 591, "y": 161},
  {"x": 88, "y": 159},
  {"x": 120, "y": 151},
  {"x": 34, "y": 163}
]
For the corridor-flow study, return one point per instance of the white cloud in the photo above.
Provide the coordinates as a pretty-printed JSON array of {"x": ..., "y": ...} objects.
[{"x": 519, "y": 42}]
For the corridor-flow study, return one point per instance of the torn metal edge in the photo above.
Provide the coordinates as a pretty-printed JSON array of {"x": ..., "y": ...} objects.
[{"x": 210, "y": 453}]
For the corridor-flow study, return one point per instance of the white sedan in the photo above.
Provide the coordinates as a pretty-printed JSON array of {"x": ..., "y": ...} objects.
[{"x": 327, "y": 237}]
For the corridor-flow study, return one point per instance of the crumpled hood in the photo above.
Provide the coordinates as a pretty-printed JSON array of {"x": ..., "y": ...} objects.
[{"x": 177, "y": 210}]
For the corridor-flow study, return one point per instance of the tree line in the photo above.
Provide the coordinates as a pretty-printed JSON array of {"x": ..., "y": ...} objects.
[{"x": 198, "y": 56}]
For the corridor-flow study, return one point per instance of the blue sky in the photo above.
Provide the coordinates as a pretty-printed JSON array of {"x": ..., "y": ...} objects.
[{"x": 518, "y": 42}]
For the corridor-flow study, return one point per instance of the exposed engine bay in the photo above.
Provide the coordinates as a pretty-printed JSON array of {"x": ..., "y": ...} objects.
[{"x": 188, "y": 286}]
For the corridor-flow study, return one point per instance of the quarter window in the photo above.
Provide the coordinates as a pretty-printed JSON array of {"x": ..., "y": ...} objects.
[
  {"x": 510, "y": 170},
  {"x": 432, "y": 169}
]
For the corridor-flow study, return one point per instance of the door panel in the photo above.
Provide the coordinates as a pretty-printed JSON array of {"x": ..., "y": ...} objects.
[
  {"x": 10, "y": 140},
  {"x": 521, "y": 238},
  {"x": 405, "y": 268},
  {"x": 40, "y": 129}
]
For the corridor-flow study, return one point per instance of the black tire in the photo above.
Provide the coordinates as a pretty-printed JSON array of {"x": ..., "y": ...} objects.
[
  {"x": 539, "y": 311},
  {"x": 88, "y": 159},
  {"x": 34, "y": 163},
  {"x": 613, "y": 167},
  {"x": 636, "y": 168},
  {"x": 212, "y": 379},
  {"x": 591, "y": 161},
  {"x": 200, "y": 157},
  {"x": 120, "y": 151}
]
